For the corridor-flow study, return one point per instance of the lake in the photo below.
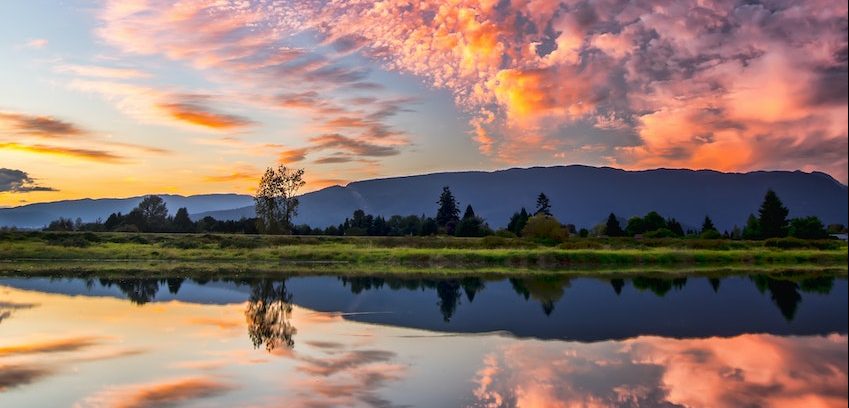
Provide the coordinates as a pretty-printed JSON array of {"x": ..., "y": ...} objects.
[{"x": 542, "y": 341}]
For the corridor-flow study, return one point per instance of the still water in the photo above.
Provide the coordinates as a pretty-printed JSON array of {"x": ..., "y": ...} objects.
[{"x": 470, "y": 342}]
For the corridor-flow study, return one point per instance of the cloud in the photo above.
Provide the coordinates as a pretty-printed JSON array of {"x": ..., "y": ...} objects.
[
  {"x": 195, "y": 114},
  {"x": 16, "y": 375},
  {"x": 40, "y": 126},
  {"x": 27, "y": 128},
  {"x": 166, "y": 393},
  {"x": 36, "y": 43},
  {"x": 50, "y": 346},
  {"x": 345, "y": 149},
  {"x": 17, "y": 181},
  {"x": 625, "y": 84},
  {"x": 345, "y": 377},
  {"x": 532, "y": 73},
  {"x": 96, "y": 71},
  {"x": 747, "y": 370},
  {"x": 84, "y": 154}
]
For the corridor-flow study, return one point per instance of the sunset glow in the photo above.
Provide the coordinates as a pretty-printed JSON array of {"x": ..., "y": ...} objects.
[{"x": 121, "y": 98}]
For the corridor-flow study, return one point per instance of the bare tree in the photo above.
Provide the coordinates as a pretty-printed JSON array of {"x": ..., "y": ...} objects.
[{"x": 275, "y": 201}]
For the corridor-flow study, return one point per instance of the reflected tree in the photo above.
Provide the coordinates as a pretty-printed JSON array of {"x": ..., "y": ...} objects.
[
  {"x": 821, "y": 284},
  {"x": 617, "y": 284},
  {"x": 174, "y": 285},
  {"x": 547, "y": 290},
  {"x": 138, "y": 291},
  {"x": 268, "y": 315},
  {"x": 714, "y": 283},
  {"x": 449, "y": 297},
  {"x": 659, "y": 287},
  {"x": 784, "y": 293},
  {"x": 472, "y": 286}
]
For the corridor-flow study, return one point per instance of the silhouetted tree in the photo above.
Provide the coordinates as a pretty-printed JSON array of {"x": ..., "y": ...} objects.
[
  {"x": 635, "y": 226},
  {"x": 752, "y": 230},
  {"x": 612, "y": 228},
  {"x": 773, "y": 216},
  {"x": 471, "y": 225},
  {"x": 675, "y": 227},
  {"x": 543, "y": 205},
  {"x": 707, "y": 225},
  {"x": 275, "y": 202},
  {"x": 518, "y": 222},
  {"x": 154, "y": 214},
  {"x": 61, "y": 224},
  {"x": 182, "y": 222},
  {"x": 653, "y": 222},
  {"x": 429, "y": 226},
  {"x": 448, "y": 214}
]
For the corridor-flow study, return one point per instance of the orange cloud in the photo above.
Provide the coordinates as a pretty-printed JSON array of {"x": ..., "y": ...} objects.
[
  {"x": 159, "y": 394},
  {"x": 50, "y": 346},
  {"x": 747, "y": 370},
  {"x": 197, "y": 115},
  {"x": 84, "y": 154},
  {"x": 40, "y": 126}
]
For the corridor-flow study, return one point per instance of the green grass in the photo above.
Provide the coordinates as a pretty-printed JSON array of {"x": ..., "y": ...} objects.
[{"x": 411, "y": 253}]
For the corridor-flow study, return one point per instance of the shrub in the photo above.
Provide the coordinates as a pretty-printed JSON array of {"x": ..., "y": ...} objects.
[
  {"x": 794, "y": 243},
  {"x": 710, "y": 234},
  {"x": 545, "y": 229}
]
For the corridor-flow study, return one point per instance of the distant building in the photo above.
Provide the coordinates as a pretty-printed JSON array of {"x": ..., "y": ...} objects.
[{"x": 841, "y": 237}]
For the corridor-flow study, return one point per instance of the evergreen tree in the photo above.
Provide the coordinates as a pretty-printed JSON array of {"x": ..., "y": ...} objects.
[
  {"x": 613, "y": 229},
  {"x": 707, "y": 225},
  {"x": 752, "y": 230},
  {"x": 675, "y": 227},
  {"x": 518, "y": 221},
  {"x": 182, "y": 222},
  {"x": 543, "y": 205},
  {"x": 471, "y": 225},
  {"x": 773, "y": 216},
  {"x": 448, "y": 214}
]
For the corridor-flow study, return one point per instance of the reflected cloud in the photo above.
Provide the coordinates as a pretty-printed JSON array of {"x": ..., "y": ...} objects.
[
  {"x": 748, "y": 370},
  {"x": 166, "y": 393},
  {"x": 16, "y": 375},
  {"x": 50, "y": 346}
]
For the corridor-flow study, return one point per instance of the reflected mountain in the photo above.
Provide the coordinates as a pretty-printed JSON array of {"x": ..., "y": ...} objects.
[{"x": 544, "y": 306}]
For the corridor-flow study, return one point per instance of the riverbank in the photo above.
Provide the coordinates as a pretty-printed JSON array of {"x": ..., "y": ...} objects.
[{"x": 445, "y": 255}]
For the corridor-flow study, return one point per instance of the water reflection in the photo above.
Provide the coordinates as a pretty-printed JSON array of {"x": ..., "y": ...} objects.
[
  {"x": 268, "y": 315},
  {"x": 270, "y": 297},
  {"x": 60, "y": 348}
]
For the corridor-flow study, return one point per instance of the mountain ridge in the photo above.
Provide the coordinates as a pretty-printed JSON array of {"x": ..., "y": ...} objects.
[{"x": 582, "y": 195}]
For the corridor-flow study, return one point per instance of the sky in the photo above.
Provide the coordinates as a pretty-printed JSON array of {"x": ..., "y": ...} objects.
[{"x": 120, "y": 98}]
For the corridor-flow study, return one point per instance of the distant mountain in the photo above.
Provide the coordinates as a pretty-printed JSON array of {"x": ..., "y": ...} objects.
[
  {"x": 580, "y": 195},
  {"x": 39, "y": 215}
]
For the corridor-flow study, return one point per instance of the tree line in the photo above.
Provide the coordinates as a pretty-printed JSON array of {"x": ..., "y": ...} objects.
[{"x": 276, "y": 205}]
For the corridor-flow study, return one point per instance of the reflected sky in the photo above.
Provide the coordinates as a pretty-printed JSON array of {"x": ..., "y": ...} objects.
[{"x": 262, "y": 346}]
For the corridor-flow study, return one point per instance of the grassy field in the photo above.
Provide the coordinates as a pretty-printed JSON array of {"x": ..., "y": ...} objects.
[{"x": 22, "y": 251}]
